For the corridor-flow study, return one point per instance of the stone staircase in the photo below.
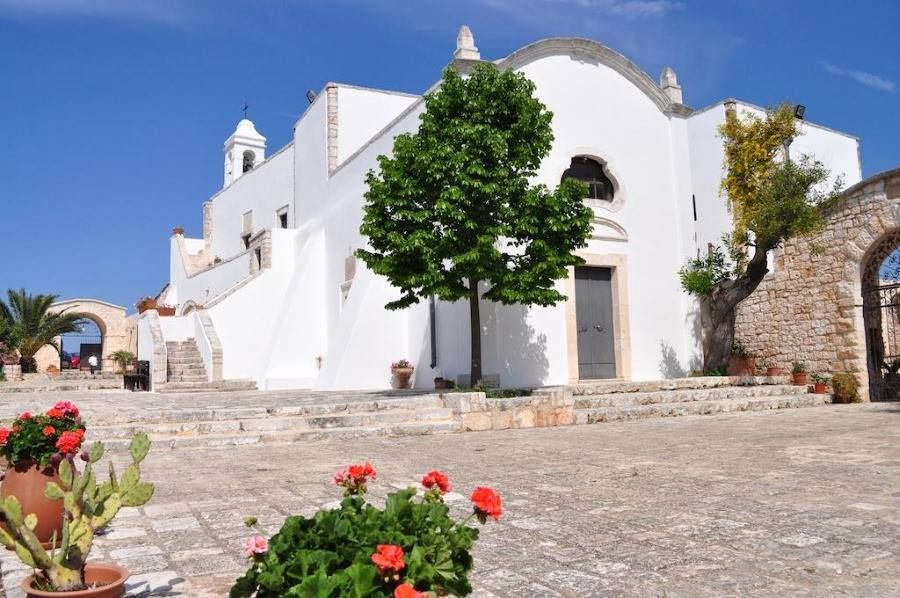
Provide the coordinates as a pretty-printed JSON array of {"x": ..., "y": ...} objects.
[
  {"x": 303, "y": 419},
  {"x": 185, "y": 371},
  {"x": 621, "y": 401}
]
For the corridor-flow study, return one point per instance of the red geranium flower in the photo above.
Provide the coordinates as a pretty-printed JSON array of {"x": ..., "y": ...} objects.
[
  {"x": 49, "y": 431},
  {"x": 487, "y": 503},
  {"x": 55, "y": 413},
  {"x": 25, "y": 415},
  {"x": 436, "y": 479},
  {"x": 388, "y": 557},
  {"x": 361, "y": 473},
  {"x": 404, "y": 590},
  {"x": 69, "y": 443},
  {"x": 67, "y": 408},
  {"x": 4, "y": 435},
  {"x": 355, "y": 478}
]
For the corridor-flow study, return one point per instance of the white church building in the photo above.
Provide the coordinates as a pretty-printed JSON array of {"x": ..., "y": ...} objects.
[{"x": 271, "y": 292}]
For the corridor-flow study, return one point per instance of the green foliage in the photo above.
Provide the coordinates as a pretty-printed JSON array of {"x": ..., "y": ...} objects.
[
  {"x": 798, "y": 367},
  {"x": 701, "y": 275},
  {"x": 454, "y": 202},
  {"x": 33, "y": 325},
  {"x": 89, "y": 506},
  {"x": 820, "y": 379},
  {"x": 329, "y": 554},
  {"x": 123, "y": 358},
  {"x": 846, "y": 387}
]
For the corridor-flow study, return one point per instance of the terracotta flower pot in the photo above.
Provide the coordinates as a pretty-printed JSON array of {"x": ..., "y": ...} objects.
[
  {"x": 741, "y": 366},
  {"x": 819, "y": 388},
  {"x": 109, "y": 579},
  {"x": 773, "y": 372},
  {"x": 801, "y": 378},
  {"x": 27, "y": 482},
  {"x": 442, "y": 384},
  {"x": 401, "y": 377}
]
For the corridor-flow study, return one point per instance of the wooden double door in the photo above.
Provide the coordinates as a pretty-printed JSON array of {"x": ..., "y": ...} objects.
[{"x": 594, "y": 323}]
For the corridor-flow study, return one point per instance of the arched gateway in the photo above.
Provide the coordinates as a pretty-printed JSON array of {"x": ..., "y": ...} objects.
[
  {"x": 826, "y": 303},
  {"x": 116, "y": 331}
]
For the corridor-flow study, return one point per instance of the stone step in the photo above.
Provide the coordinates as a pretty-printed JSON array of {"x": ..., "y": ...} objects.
[
  {"x": 603, "y": 387},
  {"x": 189, "y": 415},
  {"x": 608, "y": 414},
  {"x": 195, "y": 387},
  {"x": 291, "y": 436},
  {"x": 173, "y": 377},
  {"x": 625, "y": 399},
  {"x": 275, "y": 424}
]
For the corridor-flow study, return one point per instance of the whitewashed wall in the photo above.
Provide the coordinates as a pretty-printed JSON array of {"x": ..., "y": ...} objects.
[
  {"x": 264, "y": 190},
  {"x": 363, "y": 113}
]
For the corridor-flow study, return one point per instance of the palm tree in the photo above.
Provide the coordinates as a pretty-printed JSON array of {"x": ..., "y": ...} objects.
[{"x": 35, "y": 325}]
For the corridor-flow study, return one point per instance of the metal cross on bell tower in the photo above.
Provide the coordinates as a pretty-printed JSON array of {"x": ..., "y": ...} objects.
[{"x": 246, "y": 106}]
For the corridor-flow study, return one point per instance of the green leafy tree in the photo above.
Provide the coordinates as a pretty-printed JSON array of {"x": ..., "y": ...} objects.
[
  {"x": 453, "y": 212},
  {"x": 773, "y": 199},
  {"x": 34, "y": 325}
]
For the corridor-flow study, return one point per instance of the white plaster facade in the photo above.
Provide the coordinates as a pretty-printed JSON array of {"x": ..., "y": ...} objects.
[{"x": 294, "y": 310}]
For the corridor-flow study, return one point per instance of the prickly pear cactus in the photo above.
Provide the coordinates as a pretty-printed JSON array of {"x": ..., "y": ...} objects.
[{"x": 89, "y": 506}]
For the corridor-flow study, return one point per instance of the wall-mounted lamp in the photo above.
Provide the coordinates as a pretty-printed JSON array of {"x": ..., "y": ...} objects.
[{"x": 799, "y": 111}]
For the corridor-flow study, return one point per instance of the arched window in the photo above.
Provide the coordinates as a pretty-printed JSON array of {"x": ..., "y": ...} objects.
[
  {"x": 590, "y": 171},
  {"x": 249, "y": 160}
]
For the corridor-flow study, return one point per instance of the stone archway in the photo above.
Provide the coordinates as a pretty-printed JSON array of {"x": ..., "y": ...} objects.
[
  {"x": 881, "y": 325},
  {"x": 810, "y": 309},
  {"x": 117, "y": 330}
]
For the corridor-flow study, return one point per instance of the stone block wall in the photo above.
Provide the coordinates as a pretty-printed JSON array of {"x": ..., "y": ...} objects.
[{"x": 809, "y": 309}]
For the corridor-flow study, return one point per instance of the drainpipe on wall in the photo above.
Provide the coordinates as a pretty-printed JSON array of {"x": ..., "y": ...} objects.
[{"x": 432, "y": 317}]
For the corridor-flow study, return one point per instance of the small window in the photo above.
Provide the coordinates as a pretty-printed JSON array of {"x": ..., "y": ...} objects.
[
  {"x": 257, "y": 253},
  {"x": 282, "y": 216},
  {"x": 249, "y": 161},
  {"x": 590, "y": 171},
  {"x": 245, "y": 239}
]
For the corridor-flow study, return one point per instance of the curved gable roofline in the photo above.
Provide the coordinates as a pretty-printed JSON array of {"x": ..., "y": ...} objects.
[{"x": 588, "y": 50}]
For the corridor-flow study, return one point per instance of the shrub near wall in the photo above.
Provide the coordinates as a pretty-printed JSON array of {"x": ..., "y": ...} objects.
[{"x": 846, "y": 388}]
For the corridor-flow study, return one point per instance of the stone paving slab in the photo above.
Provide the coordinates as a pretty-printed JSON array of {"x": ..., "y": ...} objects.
[{"x": 775, "y": 503}]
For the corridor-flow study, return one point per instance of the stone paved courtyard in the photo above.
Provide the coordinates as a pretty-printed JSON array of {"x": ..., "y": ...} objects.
[{"x": 776, "y": 503}]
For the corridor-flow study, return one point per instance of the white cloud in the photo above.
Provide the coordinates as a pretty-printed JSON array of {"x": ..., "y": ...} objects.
[
  {"x": 161, "y": 11},
  {"x": 862, "y": 77}
]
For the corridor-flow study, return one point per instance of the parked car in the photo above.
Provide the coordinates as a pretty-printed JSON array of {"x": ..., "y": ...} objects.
[
  {"x": 75, "y": 360},
  {"x": 65, "y": 360}
]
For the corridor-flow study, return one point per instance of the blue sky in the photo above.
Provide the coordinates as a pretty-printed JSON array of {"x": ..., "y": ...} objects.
[{"x": 113, "y": 112}]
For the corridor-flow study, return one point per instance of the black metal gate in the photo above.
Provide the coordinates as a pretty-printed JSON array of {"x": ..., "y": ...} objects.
[{"x": 881, "y": 314}]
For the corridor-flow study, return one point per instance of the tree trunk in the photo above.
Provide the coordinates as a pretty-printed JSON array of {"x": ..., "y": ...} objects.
[
  {"x": 717, "y": 312},
  {"x": 475, "y": 330}
]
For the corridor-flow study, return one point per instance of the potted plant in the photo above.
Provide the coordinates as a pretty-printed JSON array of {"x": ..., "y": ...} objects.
[
  {"x": 34, "y": 446},
  {"x": 798, "y": 372},
  {"x": 123, "y": 359},
  {"x": 771, "y": 369},
  {"x": 741, "y": 362},
  {"x": 820, "y": 381},
  {"x": 64, "y": 570},
  {"x": 165, "y": 310},
  {"x": 411, "y": 548},
  {"x": 441, "y": 383},
  {"x": 401, "y": 374},
  {"x": 145, "y": 304}
]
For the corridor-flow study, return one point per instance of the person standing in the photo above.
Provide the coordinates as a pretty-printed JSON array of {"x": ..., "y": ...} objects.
[{"x": 92, "y": 361}]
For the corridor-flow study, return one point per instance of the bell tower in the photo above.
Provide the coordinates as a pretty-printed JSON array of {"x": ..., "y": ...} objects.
[{"x": 244, "y": 151}]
